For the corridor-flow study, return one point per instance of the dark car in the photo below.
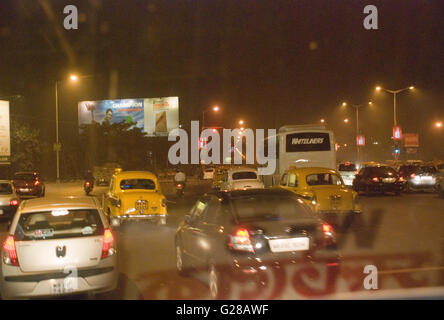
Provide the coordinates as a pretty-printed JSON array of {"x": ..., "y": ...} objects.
[
  {"x": 378, "y": 179},
  {"x": 8, "y": 200},
  {"x": 28, "y": 184},
  {"x": 238, "y": 235},
  {"x": 421, "y": 178}
]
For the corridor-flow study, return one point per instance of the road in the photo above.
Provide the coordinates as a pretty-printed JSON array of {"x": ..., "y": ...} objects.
[{"x": 403, "y": 237}]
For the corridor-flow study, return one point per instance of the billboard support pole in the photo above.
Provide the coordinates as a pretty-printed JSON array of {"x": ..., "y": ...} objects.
[{"x": 57, "y": 133}]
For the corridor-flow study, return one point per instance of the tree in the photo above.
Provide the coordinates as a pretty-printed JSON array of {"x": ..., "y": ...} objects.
[{"x": 25, "y": 147}]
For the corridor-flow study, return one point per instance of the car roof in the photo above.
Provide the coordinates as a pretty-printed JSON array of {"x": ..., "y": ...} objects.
[
  {"x": 306, "y": 170},
  {"x": 135, "y": 175},
  {"x": 242, "y": 169},
  {"x": 51, "y": 203}
]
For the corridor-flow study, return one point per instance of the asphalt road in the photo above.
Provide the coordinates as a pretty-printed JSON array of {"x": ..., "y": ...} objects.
[{"x": 403, "y": 237}]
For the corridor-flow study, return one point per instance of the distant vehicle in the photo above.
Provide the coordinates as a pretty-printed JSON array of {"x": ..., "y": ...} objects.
[
  {"x": 348, "y": 171},
  {"x": 28, "y": 184},
  {"x": 103, "y": 174},
  {"x": 421, "y": 178},
  {"x": 51, "y": 238},
  {"x": 208, "y": 173},
  {"x": 241, "y": 178},
  {"x": 218, "y": 178},
  {"x": 323, "y": 191},
  {"x": 247, "y": 232},
  {"x": 135, "y": 196},
  {"x": 378, "y": 179},
  {"x": 9, "y": 200},
  {"x": 301, "y": 146},
  {"x": 368, "y": 164},
  {"x": 88, "y": 186}
]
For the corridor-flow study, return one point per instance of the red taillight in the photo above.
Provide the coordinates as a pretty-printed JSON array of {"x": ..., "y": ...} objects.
[
  {"x": 13, "y": 202},
  {"x": 36, "y": 183},
  {"x": 375, "y": 179},
  {"x": 241, "y": 241},
  {"x": 401, "y": 179},
  {"x": 108, "y": 242},
  {"x": 412, "y": 175},
  {"x": 9, "y": 253},
  {"x": 179, "y": 185},
  {"x": 87, "y": 184},
  {"x": 327, "y": 228}
]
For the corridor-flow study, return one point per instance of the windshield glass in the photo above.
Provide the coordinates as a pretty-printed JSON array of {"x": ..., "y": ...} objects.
[
  {"x": 5, "y": 188},
  {"x": 347, "y": 167},
  {"x": 382, "y": 171},
  {"x": 426, "y": 169},
  {"x": 269, "y": 207},
  {"x": 129, "y": 184},
  {"x": 24, "y": 176},
  {"x": 323, "y": 179},
  {"x": 58, "y": 224}
]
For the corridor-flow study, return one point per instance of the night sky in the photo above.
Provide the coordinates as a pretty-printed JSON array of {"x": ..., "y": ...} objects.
[{"x": 269, "y": 63}]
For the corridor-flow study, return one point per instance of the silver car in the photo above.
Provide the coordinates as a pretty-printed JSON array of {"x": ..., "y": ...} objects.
[
  {"x": 9, "y": 200},
  {"x": 58, "y": 246}
]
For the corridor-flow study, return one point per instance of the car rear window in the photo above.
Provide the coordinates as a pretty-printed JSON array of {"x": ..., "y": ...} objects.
[
  {"x": 209, "y": 170},
  {"x": 269, "y": 207},
  {"x": 322, "y": 179},
  {"x": 345, "y": 167},
  {"x": 145, "y": 184},
  {"x": 244, "y": 175},
  {"x": 58, "y": 224},
  {"x": 407, "y": 169},
  {"x": 382, "y": 171},
  {"x": 24, "y": 176},
  {"x": 5, "y": 188},
  {"x": 427, "y": 169}
]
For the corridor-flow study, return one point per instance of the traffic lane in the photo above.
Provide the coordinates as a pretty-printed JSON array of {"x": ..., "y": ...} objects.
[{"x": 383, "y": 237}]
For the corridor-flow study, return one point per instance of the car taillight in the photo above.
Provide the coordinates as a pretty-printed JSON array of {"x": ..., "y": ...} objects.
[
  {"x": 36, "y": 183},
  {"x": 179, "y": 186},
  {"x": 375, "y": 179},
  {"x": 87, "y": 184},
  {"x": 108, "y": 244},
  {"x": 241, "y": 241},
  {"x": 13, "y": 202},
  {"x": 412, "y": 175},
  {"x": 9, "y": 252},
  {"x": 401, "y": 179},
  {"x": 327, "y": 229}
]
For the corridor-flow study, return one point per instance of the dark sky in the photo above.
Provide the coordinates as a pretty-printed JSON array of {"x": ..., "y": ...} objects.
[{"x": 267, "y": 62}]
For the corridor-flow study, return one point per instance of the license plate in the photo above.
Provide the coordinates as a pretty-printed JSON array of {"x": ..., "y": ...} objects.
[
  {"x": 287, "y": 245},
  {"x": 62, "y": 286},
  {"x": 24, "y": 190}
]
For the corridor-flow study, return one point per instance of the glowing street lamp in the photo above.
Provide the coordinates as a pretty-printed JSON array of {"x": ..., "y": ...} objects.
[
  {"x": 346, "y": 120},
  {"x": 438, "y": 124},
  {"x": 322, "y": 120},
  {"x": 241, "y": 122},
  {"x": 213, "y": 108}
]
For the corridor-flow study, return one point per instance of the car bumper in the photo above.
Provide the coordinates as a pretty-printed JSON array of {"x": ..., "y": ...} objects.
[
  {"x": 58, "y": 284},
  {"x": 32, "y": 192},
  {"x": 142, "y": 217},
  {"x": 385, "y": 187}
]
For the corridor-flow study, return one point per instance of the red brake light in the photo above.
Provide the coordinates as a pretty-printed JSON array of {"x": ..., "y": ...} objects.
[
  {"x": 327, "y": 228},
  {"x": 375, "y": 179},
  {"x": 87, "y": 183},
  {"x": 241, "y": 241},
  {"x": 401, "y": 179},
  {"x": 179, "y": 185},
  {"x": 10, "y": 254},
  {"x": 412, "y": 175},
  {"x": 36, "y": 182},
  {"x": 13, "y": 202},
  {"x": 108, "y": 241}
]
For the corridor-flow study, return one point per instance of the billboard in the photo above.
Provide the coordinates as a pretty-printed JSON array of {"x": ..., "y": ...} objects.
[
  {"x": 360, "y": 141},
  {"x": 155, "y": 116},
  {"x": 307, "y": 141},
  {"x": 397, "y": 133},
  {"x": 5, "y": 134},
  {"x": 411, "y": 140}
]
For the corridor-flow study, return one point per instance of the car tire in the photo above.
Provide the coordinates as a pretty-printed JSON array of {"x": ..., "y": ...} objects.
[
  {"x": 182, "y": 265},
  {"x": 217, "y": 282}
]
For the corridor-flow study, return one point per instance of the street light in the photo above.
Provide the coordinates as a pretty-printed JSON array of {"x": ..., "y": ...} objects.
[
  {"x": 357, "y": 107},
  {"x": 241, "y": 122},
  {"x": 214, "y": 108},
  {"x": 322, "y": 120},
  {"x": 57, "y": 145},
  {"x": 438, "y": 124},
  {"x": 346, "y": 120}
]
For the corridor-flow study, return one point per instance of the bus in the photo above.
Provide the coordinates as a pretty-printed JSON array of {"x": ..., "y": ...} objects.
[{"x": 303, "y": 146}]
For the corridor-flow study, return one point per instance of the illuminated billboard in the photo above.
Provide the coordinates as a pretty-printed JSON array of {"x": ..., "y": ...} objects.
[
  {"x": 155, "y": 116},
  {"x": 5, "y": 134}
]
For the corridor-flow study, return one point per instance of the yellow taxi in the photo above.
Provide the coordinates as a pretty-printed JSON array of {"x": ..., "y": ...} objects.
[
  {"x": 322, "y": 189},
  {"x": 134, "y": 195}
]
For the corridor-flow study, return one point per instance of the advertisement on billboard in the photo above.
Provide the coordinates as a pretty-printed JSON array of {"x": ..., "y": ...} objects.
[
  {"x": 360, "y": 141},
  {"x": 155, "y": 116},
  {"x": 5, "y": 134}
]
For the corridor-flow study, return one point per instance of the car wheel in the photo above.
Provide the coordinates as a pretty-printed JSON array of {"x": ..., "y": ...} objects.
[
  {"x": 182, "y": 266},
  {"x": 217, "y": 282}
]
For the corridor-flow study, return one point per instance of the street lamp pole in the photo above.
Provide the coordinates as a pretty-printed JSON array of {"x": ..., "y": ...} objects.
[{"x": 57, "y": 132}]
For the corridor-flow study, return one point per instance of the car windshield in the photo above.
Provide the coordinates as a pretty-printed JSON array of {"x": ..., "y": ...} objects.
[
  {"x": 24, "y": 176},
  {"x": 426, "y": 169},
  {"x": 58, "y": 224},
  {"x": 347, "y": 167},
  {"x": 323, "y": 179},
  {"x": 269, "y": 207},
  {"x": 407, "y": 169},
  {"x": 244, "y": 175},
  {"x": 5, "y": 188},
  {"x": 130, "y": 184}
]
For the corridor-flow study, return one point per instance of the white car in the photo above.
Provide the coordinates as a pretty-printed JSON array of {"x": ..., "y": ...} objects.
[
  {"x": 57, "y": 247},
  {"x": 208, "y": 173},
  {"x": 241, "y": 179},
  {"x": 9, "y": 200},
  {"x": 348, "y": 172}
]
